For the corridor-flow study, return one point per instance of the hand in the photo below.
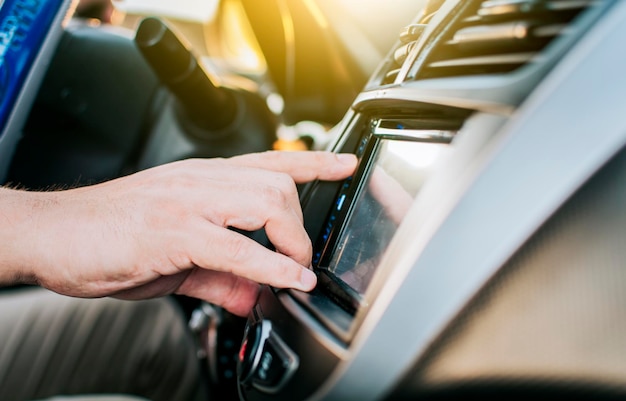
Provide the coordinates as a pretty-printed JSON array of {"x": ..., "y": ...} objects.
[{"x": 165, "y": 230}]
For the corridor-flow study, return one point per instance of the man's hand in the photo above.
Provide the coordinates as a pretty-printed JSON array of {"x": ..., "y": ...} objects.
[{"x": 166, "y": 230}]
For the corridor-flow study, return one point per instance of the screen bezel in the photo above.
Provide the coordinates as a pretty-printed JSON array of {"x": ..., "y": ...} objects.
[
  {"x": 333, "y": 301},
  {"x": 371, "y": 151}
]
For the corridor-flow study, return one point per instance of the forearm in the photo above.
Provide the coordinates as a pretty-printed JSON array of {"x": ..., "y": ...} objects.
[{"x": 19, "y": 216}]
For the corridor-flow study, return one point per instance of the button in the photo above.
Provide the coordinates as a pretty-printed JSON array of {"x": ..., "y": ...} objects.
[
  {"x": 265, "y": 361},
  {"x": 270, "y": 370},
  {"x": 276, "y": 365},
  {"x": 250, "y": 350}
]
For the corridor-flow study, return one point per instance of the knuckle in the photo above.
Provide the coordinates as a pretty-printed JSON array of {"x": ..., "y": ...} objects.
[
  {"x": 237, "y": 248},
  {"x": 284, "y": 180},
  {"x": 274, "y": 196}
]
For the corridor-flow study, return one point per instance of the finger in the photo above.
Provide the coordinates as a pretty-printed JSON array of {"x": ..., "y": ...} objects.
[
  {"x": 236, "y": 294},
  {"x": 301, "y": 166},
  {"x": 225, "y": 250},
  {"x": 264, "y": 190},
  {"x": 268, "y": 207},
  {"x": 296, "y": 245}
]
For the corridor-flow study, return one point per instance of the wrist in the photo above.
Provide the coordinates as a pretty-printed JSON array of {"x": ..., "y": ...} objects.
[{"x": 20, "y": 244}]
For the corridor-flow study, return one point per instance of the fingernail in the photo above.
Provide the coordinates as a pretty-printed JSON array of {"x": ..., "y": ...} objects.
[
  {"x": 308, "y": 279},
  {"x": 346, "y": 158}
]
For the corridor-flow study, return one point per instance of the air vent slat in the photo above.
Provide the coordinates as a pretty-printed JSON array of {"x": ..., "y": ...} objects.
[
  {"x": 513, "y": 7},
  {"x": 486, "y": 61},
  {"x": 549, "y": 30},
  {"x": 501, "y": 37},
  {"x": 496, "y": 36},
  {"x": 492, "y": 33}
]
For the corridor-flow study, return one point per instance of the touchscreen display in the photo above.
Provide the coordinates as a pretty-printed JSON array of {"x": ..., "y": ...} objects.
[{"x": 396, "y": 171}]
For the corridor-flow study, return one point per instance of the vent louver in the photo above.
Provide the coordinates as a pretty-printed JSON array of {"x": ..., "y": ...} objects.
[
  {"x": 408, "y": 38},
  {"x": 499, "y": 36}
]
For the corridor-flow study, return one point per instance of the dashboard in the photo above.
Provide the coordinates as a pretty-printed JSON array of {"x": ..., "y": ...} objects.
[{"x": 469, "y": 253}]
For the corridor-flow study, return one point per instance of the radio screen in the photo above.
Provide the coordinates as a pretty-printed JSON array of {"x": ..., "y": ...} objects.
[{"x": 396, "y": 171}]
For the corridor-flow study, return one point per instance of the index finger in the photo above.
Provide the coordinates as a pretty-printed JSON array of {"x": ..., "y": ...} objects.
[{"x": 302, "y": 166}]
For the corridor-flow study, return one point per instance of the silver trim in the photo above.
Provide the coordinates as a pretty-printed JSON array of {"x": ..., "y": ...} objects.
[
  {"x": 431, "y": 91},
  {"x": 416, "y": 135}
]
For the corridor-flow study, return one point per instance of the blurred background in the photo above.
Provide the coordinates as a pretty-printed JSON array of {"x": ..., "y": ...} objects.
[
  {"x": 255, "y": 75},
  {"x": 308, "y": 58}
]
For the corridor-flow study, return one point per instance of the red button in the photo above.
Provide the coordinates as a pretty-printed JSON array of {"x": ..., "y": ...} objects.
[{"x": 242, "y": 350}]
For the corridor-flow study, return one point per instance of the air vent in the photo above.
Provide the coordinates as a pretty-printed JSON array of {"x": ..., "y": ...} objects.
[
  {"x": 408, "y": 39},
  {"x": 499, "y": 36}
]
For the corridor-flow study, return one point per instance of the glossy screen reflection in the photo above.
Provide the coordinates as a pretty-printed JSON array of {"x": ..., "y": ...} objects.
[{"x": 397, "y": 173}]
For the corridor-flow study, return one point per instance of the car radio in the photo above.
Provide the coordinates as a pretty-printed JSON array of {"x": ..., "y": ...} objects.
[
  {"x": 397, "y": 151},
  {"x": 396, "y": 156},
  {"x": 370, "y": 206}
]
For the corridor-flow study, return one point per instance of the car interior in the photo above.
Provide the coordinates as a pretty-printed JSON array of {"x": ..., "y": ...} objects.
[{"x": 477, "y": 251}]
